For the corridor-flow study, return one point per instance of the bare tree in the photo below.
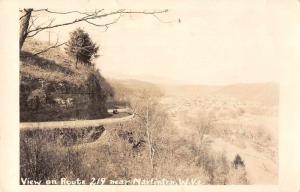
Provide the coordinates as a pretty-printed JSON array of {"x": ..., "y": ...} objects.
[
  {"x": 28, "y": 17},
  {"x": 146, "y": 109},
  {"x": 203, "y": 126},
  {"x": 24, "y": 25}
]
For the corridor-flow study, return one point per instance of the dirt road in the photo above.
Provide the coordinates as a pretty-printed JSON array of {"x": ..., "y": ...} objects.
[{"x": 77, "y": 123}]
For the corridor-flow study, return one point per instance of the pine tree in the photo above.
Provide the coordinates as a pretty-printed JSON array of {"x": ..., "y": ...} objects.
[{"x": 81, "y": 47}]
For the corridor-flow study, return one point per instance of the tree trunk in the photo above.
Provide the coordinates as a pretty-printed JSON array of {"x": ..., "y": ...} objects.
[
  {"x": 76, "y": 61},
  {"x": 24, "y": 23},
  {"x": 150, "y": 144}
]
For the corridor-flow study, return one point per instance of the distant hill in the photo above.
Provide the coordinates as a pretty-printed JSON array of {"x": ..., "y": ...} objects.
[
  {"x": 261, "y": 93},
  {"x": 124, "y": 90},
  {"x": 135, "y": 85}
]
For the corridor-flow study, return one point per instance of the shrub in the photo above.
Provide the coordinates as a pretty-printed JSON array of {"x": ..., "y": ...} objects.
[
  {"x": 214, "y": 165},
  {"x": 238, "y": 162}
]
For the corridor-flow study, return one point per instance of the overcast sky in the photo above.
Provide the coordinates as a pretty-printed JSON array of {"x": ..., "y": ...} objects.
[{"x": 217, "y": 42}]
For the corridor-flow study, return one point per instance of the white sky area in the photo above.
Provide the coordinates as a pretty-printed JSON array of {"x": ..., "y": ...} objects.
[{"x": 217, "y": 42}]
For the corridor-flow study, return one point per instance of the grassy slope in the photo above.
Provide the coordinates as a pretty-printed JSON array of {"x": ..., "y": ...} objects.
[
  {"x": 55, "y": 68},
  {"x": 53, "y": 65}
]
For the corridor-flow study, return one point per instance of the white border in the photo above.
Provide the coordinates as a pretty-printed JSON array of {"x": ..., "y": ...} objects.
[{"x": 289, "y": 159}]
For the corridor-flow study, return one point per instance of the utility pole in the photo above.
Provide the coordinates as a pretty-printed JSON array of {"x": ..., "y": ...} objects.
[{"x": 49, "y": 36}]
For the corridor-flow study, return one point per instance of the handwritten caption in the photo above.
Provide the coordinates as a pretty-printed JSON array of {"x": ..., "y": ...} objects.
[{"x": 105, "y": 181}]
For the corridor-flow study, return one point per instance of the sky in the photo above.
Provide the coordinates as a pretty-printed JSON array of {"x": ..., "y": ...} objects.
[{"x": 216, "y": 42}]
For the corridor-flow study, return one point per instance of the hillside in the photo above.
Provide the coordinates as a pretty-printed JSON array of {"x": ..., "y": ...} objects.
[
  {"x": 259, "y": 93},
  {"x": 263, "y": 93},
  {"x": 51, "y": 88}
]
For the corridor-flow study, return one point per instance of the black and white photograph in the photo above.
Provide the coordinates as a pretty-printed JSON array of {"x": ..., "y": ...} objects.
[{"x": 197, "y": 93}]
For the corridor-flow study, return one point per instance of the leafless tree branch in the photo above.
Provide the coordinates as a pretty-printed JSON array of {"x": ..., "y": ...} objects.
[
  {"x": 96, "y": 16},
  {"x": 107, "y": 24},
  {"x": 32, "y": 21},
  {"x": 39, "y": 29},
  {"x": 51, "y": 47},
  {"x": 70, "y": 12},
  {"x": 27, "y": 13},
  {"x": 160, "y": 20},
  {"x": 87, "y": 17},
  {"x": 38, "y": 10}
]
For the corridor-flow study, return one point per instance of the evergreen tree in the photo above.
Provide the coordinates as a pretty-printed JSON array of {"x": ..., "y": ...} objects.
[{"x": 81, "y": 47}]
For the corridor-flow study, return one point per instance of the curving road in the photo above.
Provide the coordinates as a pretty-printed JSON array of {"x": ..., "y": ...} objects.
[{"x": 77, "y": 123}]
